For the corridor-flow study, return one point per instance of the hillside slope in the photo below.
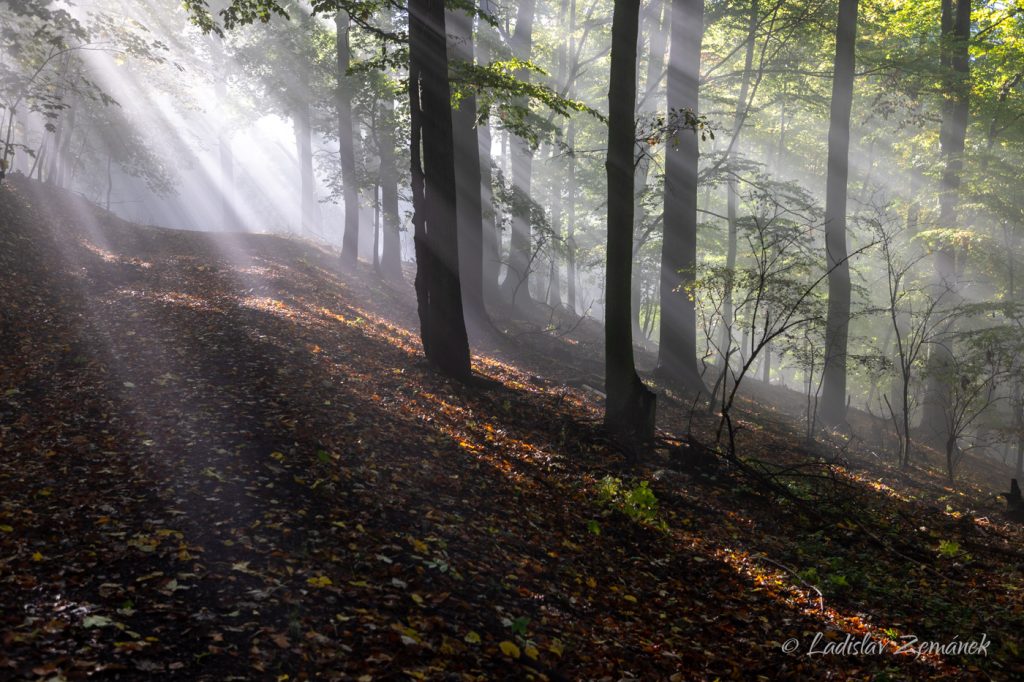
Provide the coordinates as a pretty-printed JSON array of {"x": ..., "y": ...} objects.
[{"x": 222, "y": 458}]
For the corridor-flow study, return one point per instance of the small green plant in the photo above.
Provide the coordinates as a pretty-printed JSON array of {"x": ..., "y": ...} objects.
[
  {"x": 949, "y": 548},
  {"x": 638, "y": 503},
  {"x": 810, "y": 575},
  {"x": 608, "y": 489}
]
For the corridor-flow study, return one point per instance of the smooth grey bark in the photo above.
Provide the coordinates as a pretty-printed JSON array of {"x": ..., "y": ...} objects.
[
  {"x": 657, "y": 17},
  {"x": 956, "y": 32},
  {"x": 491, "y": 266},
  {"x": 732, "y": 193},
  {"x": 570, "y": 219},
  {"x": 677, "y": 348},
  {"x": 346, "y": 141},
  {"x": 629, "y": 407},
  {"x": 469, "y": 202},
  {"x": 391, "y": 256},
  {"x": 516, "y": 285},
  {"x": 837, "y": 323}
]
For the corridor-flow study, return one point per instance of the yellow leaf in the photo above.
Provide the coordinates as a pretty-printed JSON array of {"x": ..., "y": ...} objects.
[
  {"x": 37, "y": 557},
  {"x": 320, "y": 581},
  {"x": 556, "y": 647},
  {"x": 509, "y": 649},
  {"x": 472, "y": 637},
  {"x": 531, "y": 651},
  {"x": 416, "y": 598},
  {"x": 630, "y": 598},
  {"x": 5, "y": 528},
  {"x": 591, "y": 583}
]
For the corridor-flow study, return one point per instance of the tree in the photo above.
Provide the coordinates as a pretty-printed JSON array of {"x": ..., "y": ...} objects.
[
  {"x": 469, "y": 202},
  {"x": 677, "y": 352},
  {"x": 955, "y": 63},
  {"x": 438, "y": 289},
  {"x": 629, "y": 410},
  {"x": 516, "y": 285},
  {"x": 833, "y": 400},
  {"x": 346, "y": 142}
]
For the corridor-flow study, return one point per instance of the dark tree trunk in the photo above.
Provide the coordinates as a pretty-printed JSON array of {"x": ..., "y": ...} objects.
[
  {"x": 833, "y": 398},
  {"x": 516, "y": 286},
  {"x": 956, "y": 32},
  {"x": 438, "y": 290},
  {"x": 469, "y": 206},
  {"x": 677, "y": 350},
  {"x": 629, "y": 410},
  {"x": 347, "y": 143}
]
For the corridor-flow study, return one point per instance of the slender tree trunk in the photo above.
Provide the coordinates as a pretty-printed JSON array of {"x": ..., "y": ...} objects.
[
  {"x": 64, "y": 171},
  {"x": 732, "y": 192},
  {"x": 629, "y": 409},
  {"x": 438, "y": 289},
  {"x": 657, "y": 16},
  {"x": 554, "y": 276},
  {"x": 766, "y": 368},
  {"x": 833, "y": 400},
  {"x": 347, "y": 143},
  {"x": 469, "y": 206},
  {"x": 677, "y": 350},
  {"x": 391, "y": 258},
  {"x": 491, "y": 267},
  {"x": 956, "y": 31},
  {"x": 303, "y": 141},
  {"x": 516, "y": 286},
  {"x": 376, "y": 227},
  {"x": 570, "y": 219}
]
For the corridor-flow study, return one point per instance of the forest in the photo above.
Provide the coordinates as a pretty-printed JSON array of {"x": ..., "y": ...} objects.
[{"x": 546, "y": 340}]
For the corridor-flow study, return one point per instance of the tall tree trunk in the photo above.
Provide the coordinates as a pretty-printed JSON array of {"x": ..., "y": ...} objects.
[
  {"x": 516, "y": 286},
  {"x": 438, "y": 289},
  {"x": 64, "y": 171},
  {"x": 391, "y": 258},
  {"x": 629, "y": 408},
  {"x": 677, "y": 350},
  {"x": 833, "y": 399},
  {"x": 570, "y": 219},
  {"x": 347, "y": 142},
  {"x": 310, "y": 218},
  {"x": 491, "y": 268},
  {"x": 469, "y": 206},
  {"x": 956, "y": 32},
  {"x": 657, "y": 16},
  {"x": 554, "y": 298},
  {"x": 554, "y": 276},
  {"x": 732, "y": 192}
]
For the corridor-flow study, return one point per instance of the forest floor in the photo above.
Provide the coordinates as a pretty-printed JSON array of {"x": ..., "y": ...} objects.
[{"x": 223, "y": 458}]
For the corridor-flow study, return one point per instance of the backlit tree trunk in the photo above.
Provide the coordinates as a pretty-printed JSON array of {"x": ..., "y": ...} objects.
[
  {"x": 438, "y": 290},
  {"x": 833, "y": 398},
  {"x": 629, "y": 410},
  {"x": 346, "y": 143},
  {"x": 677, "y": 350}
]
